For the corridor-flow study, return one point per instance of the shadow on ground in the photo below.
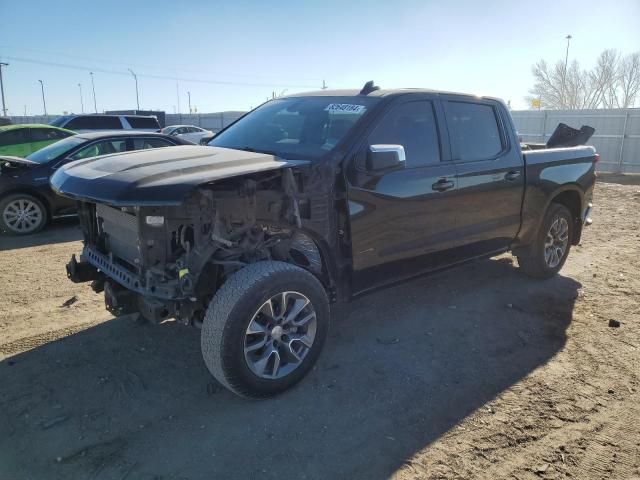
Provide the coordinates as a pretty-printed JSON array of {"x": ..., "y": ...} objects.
[
  {"x": 402, "y": 367},
  {"x": 619, "y": 178},
  {"x": 64, "y": 229}
]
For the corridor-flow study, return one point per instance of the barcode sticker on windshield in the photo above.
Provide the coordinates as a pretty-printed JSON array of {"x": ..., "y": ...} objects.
[{"x": 345, "y": 108}]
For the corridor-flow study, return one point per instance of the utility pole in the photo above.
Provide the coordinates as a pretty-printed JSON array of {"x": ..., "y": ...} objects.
[
  {"x": 189, "y": 95},
  {"x": 135, "y": 77},
  {"x": 44, "y": 103},
  {"x": 564, "y": 75},
  {"x": 4, "y": 107},
  {"x": 81, "y": 101},
  {"x": 93, "y": 87},
  {"x": 178, "y": 96}
]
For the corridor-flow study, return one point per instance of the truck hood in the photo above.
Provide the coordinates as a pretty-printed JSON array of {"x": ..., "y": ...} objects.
[{"x": 160, "y": 176}]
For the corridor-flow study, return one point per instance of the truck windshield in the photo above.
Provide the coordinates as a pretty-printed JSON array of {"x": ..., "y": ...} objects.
[
  {"x": 295, "y": 127},
  {"x": 55, "y": 150}
]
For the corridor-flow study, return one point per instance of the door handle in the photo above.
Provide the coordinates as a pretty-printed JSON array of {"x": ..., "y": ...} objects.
[
  {"x": 442, "y": 185},
  {"x": 512, "y": 175}
]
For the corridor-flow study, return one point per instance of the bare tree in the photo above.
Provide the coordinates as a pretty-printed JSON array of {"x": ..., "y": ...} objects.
[{"x": 614, "y": 82}]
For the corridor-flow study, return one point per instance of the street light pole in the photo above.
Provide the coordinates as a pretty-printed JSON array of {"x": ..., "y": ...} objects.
[
  {"x": 564, "y": 75},
  {"x": 4, "y": 107},
  {"x": 44, "y": 103},
  {"x": 81, "y": 101},
  {"x": 135, "y": 77},
  {"x": 93, "y": 87},
  {"x": 189, "y": 95}
]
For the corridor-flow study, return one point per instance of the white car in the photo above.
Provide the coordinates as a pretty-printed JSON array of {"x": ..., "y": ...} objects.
[{"x": 187, "y": 132}]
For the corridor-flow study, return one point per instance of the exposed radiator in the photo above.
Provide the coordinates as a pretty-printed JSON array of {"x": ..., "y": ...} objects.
[{"x": 121, "y": 230}]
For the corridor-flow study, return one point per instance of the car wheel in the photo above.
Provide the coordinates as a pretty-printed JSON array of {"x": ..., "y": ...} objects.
[
  {"x": 264, "y": 329},
  {"x": 546, "y": 256},
  {"x": 21, "y": 214}
]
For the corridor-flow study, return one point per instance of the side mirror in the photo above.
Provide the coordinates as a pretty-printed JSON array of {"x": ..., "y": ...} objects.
[{"x": 382, "y": 157}]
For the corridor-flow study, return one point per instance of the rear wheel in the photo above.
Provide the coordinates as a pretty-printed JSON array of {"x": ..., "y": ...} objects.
[
  {"x": 21, "y": 214},
  {"x": 546, "y": 255},
  {"x": 264, "y": 329}
]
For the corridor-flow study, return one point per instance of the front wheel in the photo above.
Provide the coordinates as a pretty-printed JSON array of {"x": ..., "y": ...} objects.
[
  {"x": 546, "y": 255},
  {"x": 21, "y": 214},
  {"x": 264, "y": 329}
]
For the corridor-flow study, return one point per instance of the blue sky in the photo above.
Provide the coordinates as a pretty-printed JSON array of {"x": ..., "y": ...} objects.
[{"x": 251, "y": 48}]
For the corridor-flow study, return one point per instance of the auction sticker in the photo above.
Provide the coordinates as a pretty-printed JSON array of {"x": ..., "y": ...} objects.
[{"x": 345, "y": 108}]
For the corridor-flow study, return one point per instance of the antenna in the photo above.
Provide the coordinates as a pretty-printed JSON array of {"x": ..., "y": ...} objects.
[{"x": 368, "y": 88}]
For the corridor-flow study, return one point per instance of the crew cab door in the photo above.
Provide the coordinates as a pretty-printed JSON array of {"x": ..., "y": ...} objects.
[
  {"x": 401, "y": 217},
  {"x": 490, "y": 174}
]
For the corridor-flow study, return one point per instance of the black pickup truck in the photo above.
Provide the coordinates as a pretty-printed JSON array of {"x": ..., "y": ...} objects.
[{"x": 312, "y": 199}]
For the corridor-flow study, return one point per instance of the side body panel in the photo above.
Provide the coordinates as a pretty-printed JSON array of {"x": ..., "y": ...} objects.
[
  {"x": 490, "y": 190},
  {"x": 550, "y": 173}
]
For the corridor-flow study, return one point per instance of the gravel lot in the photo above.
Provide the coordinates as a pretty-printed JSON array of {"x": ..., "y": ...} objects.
[{"x": 476, "y": 372}]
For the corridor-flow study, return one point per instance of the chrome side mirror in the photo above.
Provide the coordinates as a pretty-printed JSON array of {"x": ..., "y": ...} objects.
[{"x": 382, "y": 157}]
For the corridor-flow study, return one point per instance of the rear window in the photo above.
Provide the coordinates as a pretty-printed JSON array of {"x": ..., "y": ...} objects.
[
  {"x": 474, "y": 131},
  {"x": 94, "y": 122},
  {"x": 143, "y": 122}
]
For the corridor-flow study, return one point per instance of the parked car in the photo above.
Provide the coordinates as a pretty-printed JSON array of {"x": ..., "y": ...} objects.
[
  {"x": 312, "y": 199},
  {"x": 188, "y": 132},
  {"x": 27, "y": 201},
  {"x": 207, "y": 138},
  {"x": 22, "y": 140},
  {"x": 99, "y": 122}
]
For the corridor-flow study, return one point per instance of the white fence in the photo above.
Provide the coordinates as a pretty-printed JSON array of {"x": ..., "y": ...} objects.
[{"x": 617, "y": 136}]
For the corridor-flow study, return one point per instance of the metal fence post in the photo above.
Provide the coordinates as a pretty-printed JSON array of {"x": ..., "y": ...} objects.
[
  {"x": 544, "y": 125},
  {"x": 624, "y": 134}
]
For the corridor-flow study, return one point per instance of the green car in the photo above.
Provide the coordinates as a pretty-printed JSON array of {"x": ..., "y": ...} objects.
[{"x": 22, "y": 140}]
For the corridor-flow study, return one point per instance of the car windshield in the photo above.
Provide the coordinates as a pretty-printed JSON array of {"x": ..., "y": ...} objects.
[
  {"x": 55, "y": 150},
  {"x": 295, "y": 127}
]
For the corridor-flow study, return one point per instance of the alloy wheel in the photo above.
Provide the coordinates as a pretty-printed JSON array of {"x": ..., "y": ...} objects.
[
  {"x": 280, "y": 335},
  {"x": 23, "y": 215}
]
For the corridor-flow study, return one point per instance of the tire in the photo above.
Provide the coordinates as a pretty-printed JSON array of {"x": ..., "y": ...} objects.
[
  {"x": 535, "y": 260},
  {"x": 253, "y": 297},
  {"x": 12, "y": 206}
]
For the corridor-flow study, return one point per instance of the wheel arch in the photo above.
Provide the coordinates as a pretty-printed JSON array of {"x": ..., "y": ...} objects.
[{"x": 571, "y": 197}]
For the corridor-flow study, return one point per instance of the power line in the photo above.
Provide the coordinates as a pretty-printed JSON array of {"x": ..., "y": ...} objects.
[
  {"x": 157, "y": 77},
  {"x": 138, "y": 66}
]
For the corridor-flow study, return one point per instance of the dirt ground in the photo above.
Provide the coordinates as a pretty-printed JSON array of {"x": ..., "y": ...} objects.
[{"x": 476, "y": 372}]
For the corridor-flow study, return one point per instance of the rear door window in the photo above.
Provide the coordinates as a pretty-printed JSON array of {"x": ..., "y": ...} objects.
[
  {"x": 47, "y": 134},
  {"x": 103, "y": 147},
  {"x": 144, "y": 143},
  {"x": 474, "y": 131},
  {"x": 13, "y": 137},
  {"x": 412, "y": 125}
]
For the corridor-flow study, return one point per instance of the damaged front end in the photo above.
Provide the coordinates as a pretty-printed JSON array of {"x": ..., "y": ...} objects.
[{"x": 168, "y": 261}]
